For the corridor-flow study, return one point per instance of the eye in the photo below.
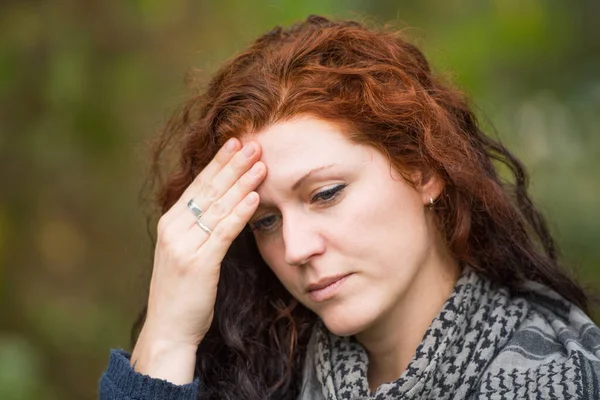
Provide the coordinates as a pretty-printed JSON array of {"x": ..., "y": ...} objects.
[
  {"x": 265, "y": 224},
  {"x": 328, "y": 194}
]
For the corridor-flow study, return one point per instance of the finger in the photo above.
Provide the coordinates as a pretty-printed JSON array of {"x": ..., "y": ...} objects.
[
  {"x": 228, "y": 175},
  {"x": 219, "y": 241},
  {"x": 236, "y": 167},
  {"x": 221, "y": 208},
  {"x": 198, "y": 233},
  {"x": 220, "y": 160},
  {"x": 224, "y": 206},
  {"x": 208, "y": 173},
  {"x": 225, "y": 153},
  {"x": 205, "y": 192},
  {"x": 181, "y": 242}
]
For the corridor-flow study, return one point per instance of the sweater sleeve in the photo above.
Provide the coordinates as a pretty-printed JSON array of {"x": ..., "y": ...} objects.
[{"x": 121, "y": 382}]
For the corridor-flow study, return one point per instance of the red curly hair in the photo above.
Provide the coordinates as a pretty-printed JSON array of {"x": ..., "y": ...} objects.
[{"x": 379, "y": 88}]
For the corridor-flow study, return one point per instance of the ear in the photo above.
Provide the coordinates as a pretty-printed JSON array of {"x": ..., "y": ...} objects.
[{"x": 429, "y": 185}]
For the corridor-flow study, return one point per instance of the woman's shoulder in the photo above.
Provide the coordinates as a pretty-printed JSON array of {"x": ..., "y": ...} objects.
[{"x": 554, "y": 352}]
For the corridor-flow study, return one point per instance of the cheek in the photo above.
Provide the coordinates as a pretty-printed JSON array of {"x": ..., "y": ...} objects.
[{"x": 382, "y": 223}]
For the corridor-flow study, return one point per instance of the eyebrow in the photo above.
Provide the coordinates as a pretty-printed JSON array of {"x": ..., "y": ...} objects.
[{"x": 299, "y": 182}]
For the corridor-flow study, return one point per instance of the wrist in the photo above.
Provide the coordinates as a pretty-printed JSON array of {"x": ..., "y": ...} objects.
[{"x": 164, "y": 359}]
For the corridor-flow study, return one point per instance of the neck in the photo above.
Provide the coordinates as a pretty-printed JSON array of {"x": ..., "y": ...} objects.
[{"x": 392, "y": 342}]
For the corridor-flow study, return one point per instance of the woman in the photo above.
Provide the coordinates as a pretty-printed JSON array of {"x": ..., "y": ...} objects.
[{"x": 346, "y": 205}]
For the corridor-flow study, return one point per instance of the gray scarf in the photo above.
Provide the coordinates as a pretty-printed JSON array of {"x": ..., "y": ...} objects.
[{"x": 483, "y": 344}]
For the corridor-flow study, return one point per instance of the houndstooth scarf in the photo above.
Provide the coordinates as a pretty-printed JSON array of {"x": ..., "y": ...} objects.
[{"x": 484, "y": 344}]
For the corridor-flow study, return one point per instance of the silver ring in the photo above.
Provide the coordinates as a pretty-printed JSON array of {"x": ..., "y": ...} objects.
[
  {"x": 194, "y": 208},
  {"x": 204, "y": 227}
]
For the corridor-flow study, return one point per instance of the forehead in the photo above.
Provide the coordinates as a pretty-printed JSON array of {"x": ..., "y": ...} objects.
[{"x": 301, "y": 141}]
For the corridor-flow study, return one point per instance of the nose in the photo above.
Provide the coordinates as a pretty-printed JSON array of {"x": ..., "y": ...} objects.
[{"x": 302, "y": 239}]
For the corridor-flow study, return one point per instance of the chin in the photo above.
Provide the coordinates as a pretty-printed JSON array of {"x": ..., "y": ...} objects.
[{"x": 345, "y": 322}]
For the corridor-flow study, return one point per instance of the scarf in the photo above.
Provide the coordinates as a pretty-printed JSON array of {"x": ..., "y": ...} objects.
[{"x": 485, "y": 343}]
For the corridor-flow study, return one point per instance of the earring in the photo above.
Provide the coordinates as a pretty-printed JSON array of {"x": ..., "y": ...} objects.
[{"x": 430, "y": 202}]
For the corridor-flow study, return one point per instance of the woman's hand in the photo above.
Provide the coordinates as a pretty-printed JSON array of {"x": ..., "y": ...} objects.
[{"x": 187, "y": 261}]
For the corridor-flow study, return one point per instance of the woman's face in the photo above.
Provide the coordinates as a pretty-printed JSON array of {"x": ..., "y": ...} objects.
[{"x": 343, "y": 232}]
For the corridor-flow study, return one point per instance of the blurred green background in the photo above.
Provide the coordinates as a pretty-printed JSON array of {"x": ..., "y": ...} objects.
[{"x": 85, "y": 84}]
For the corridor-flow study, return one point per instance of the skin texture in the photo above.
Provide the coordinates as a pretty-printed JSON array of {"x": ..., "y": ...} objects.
[{"x": 353, "y": 214}]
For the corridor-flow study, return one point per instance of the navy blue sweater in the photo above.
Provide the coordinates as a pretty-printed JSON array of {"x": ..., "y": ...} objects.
[{"x": 121, "y": 382}]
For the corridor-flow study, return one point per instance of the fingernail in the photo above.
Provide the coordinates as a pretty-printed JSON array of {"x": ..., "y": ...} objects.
[
  {"x": 256, "y": 169},
  {"x": 230, "y": 145},
  {"x": 248, "y": 150},
  {"x": 251, "y": 198}
]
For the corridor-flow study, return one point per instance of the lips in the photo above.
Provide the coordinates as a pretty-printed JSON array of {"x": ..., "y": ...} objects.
[{"x": 325, "y": 288}]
